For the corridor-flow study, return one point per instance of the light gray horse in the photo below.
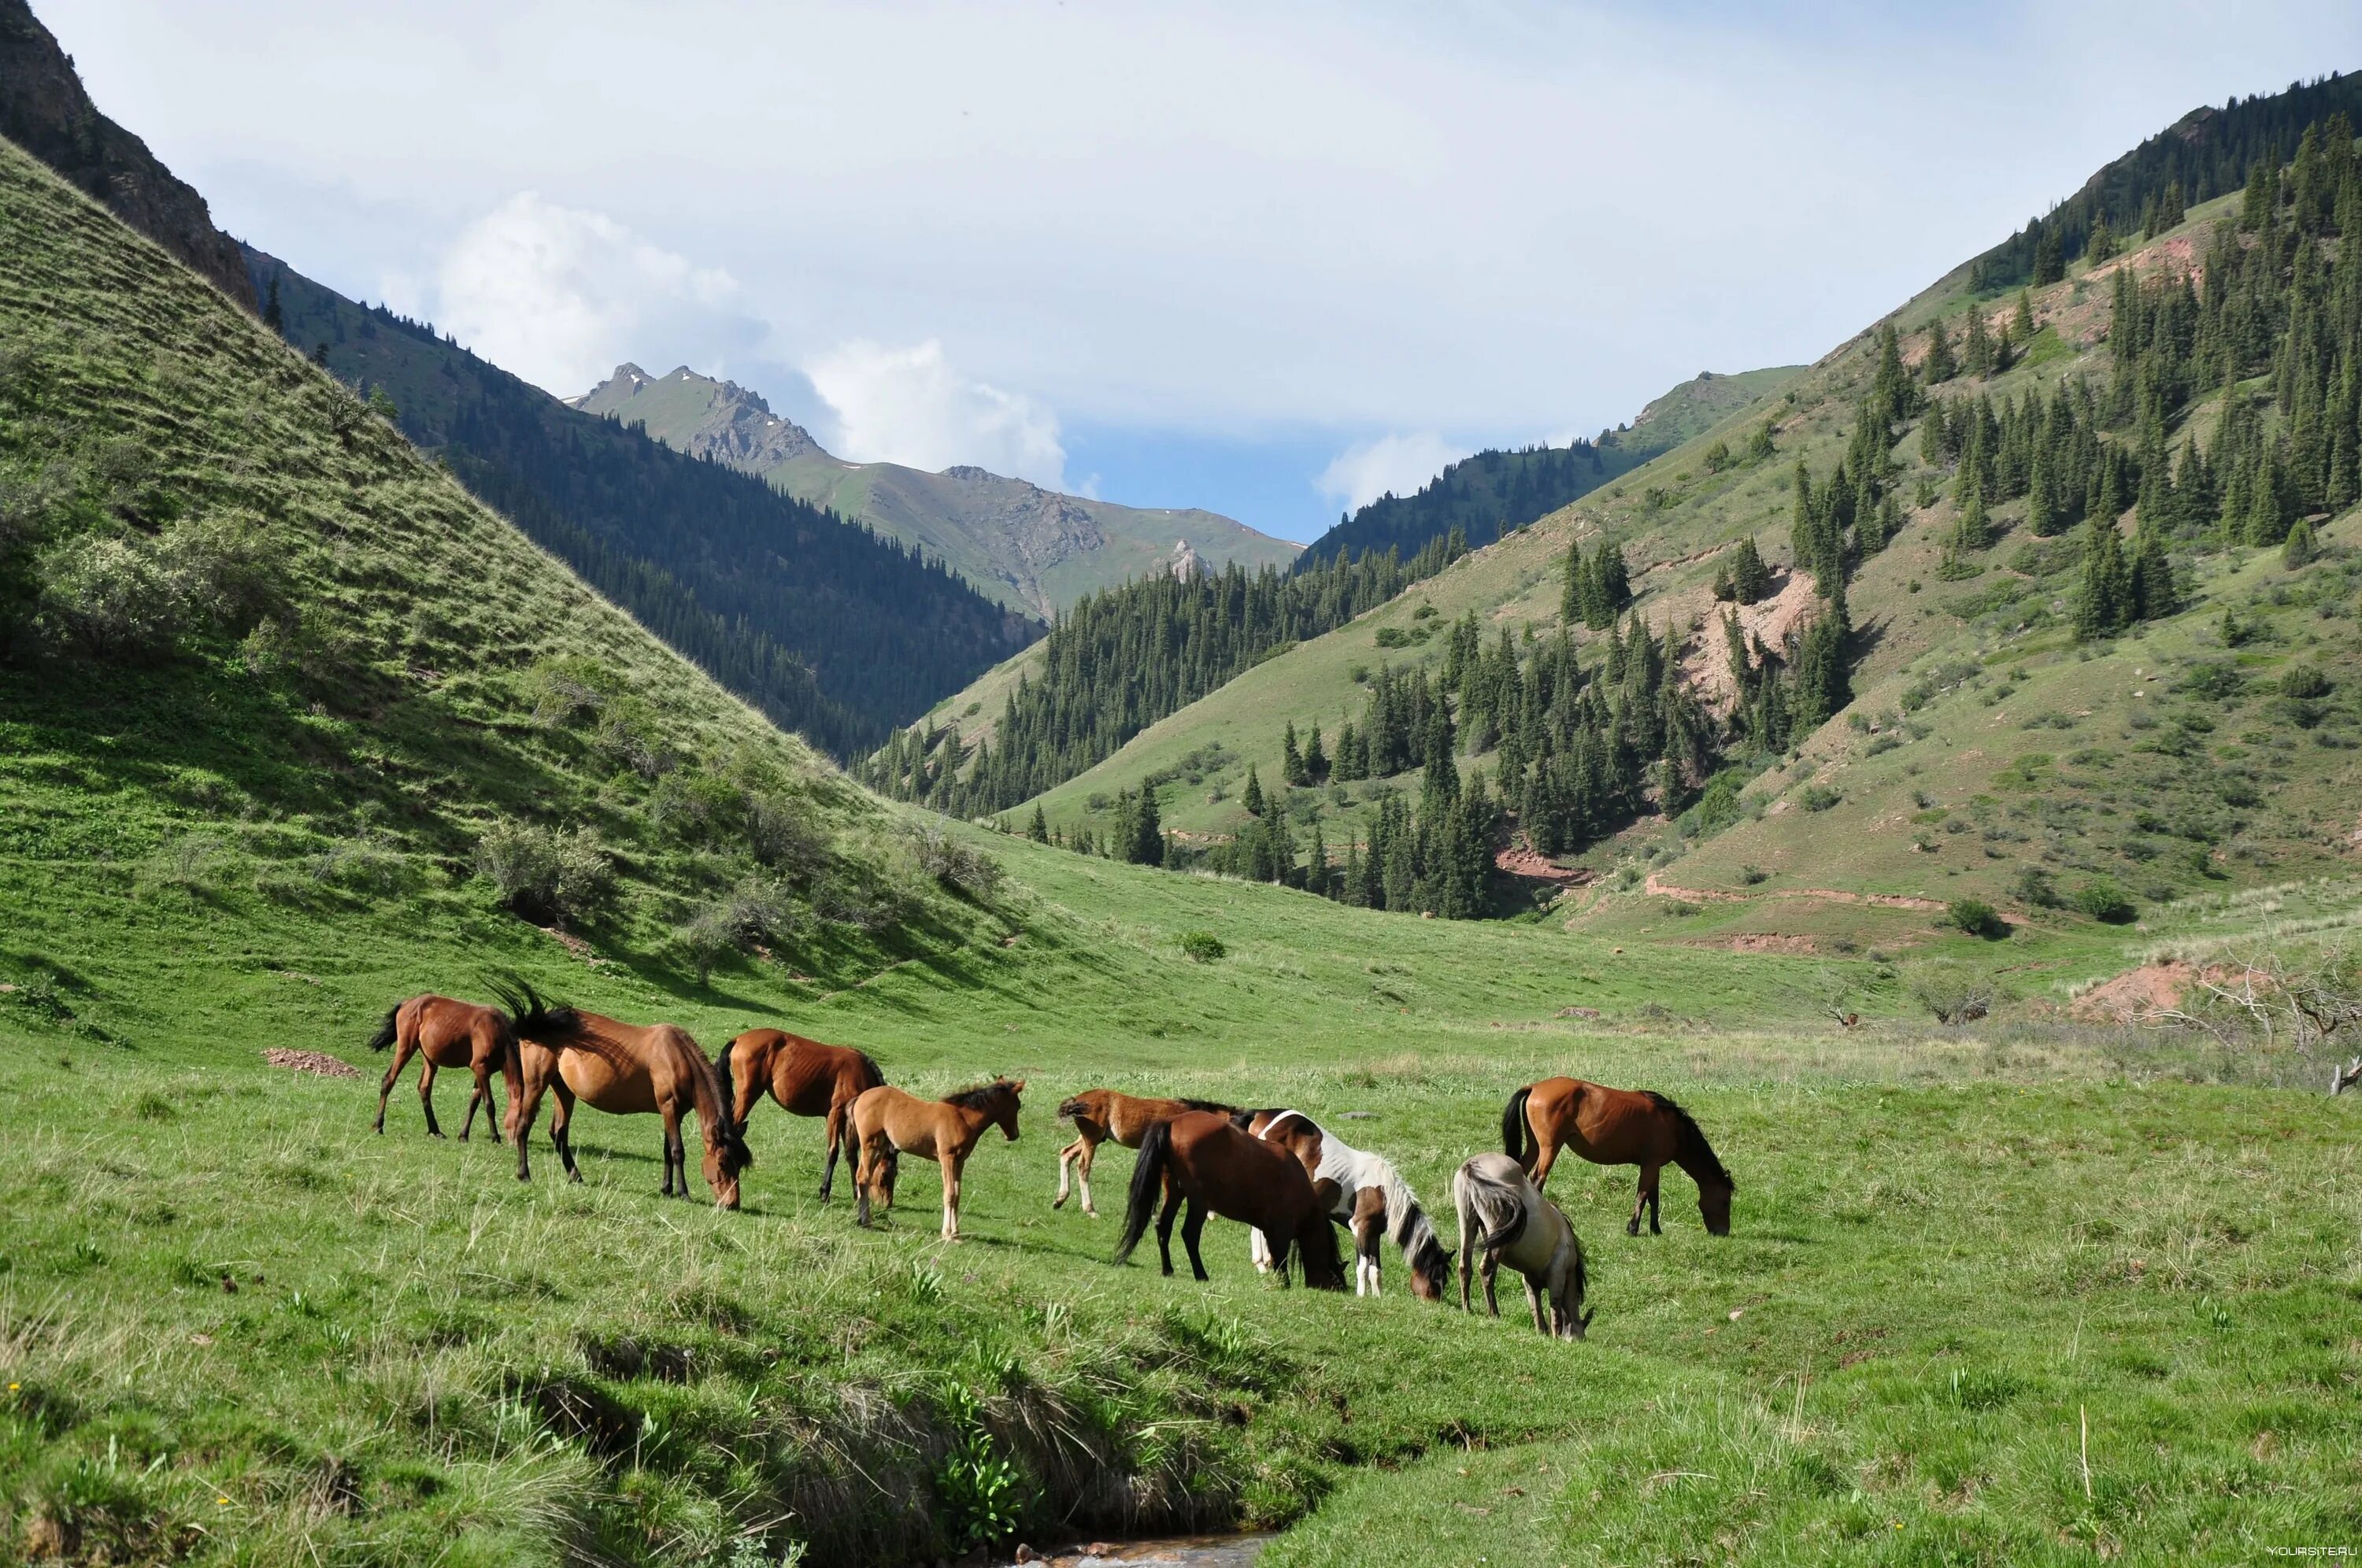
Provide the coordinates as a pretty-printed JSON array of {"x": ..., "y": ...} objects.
[{"x": 1501, "y": 1211}]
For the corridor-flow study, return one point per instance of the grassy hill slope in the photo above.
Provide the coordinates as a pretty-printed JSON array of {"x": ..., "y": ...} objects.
[
  {"x": 1033, "y": 549},
  {"x": 1982, "y": 739}
]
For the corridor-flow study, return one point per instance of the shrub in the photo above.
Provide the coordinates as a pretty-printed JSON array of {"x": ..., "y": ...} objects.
[
  {"x": 1202, "y": 947},
  {"x": 542, "y": 874},
  {"x": 956, "y": 865},
  {"x": 1818, "y": 798},
  {"x": 2303, "y": 681},
  {"x": 1976, "y": 918},
  {"x": 781, "y": 834},
  {"x": 1952, "y": 992},
  {"x": 2104, "y": 900},
  {"x": 136, "y": 596},
  {"x": 756, "y": 910},
  {"x": 2036, "y": 887}
]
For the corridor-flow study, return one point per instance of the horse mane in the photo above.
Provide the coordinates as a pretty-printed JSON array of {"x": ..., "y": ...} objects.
[
  {"x": 383, "y": 1039},
  {"x": 1216, "y": 1106},
  {"x": 1690, "y": 1148},
  {"x": 870, "y": 1065},
  {"x": 980, "y": 1097},
  {"x": 529, "y": 1015}
]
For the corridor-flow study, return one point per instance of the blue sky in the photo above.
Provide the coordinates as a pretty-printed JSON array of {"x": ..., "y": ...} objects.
[{"x": 1266, "y": 260}]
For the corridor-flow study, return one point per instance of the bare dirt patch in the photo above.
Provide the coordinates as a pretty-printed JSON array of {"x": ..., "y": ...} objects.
[
  {"x": 2152, "y": 988},
  {"x": 318, "y": 1062},
  {"x": 1517, "y": 860}
]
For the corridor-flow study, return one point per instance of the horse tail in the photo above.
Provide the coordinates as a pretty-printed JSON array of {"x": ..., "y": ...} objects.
[
  {"x": 531, "y": 1015},
  {"x": 1072, "y": 1106},
  {"x": 1147, "y": 1186},
  {"x": 1517, "y": 1138},
  {"x": 1495, "y": 1205},
  {"x": 1691, "y": 1151},
  {"x": 383, "y": 1039}
]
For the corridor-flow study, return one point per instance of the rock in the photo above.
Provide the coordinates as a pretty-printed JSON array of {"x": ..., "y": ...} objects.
[
  {"x": 1578, "y": 1012},
  {"x": 1024, "y": 1553}
]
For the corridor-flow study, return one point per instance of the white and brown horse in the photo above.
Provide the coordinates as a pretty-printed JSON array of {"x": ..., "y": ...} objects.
[{"x": 1367, "y": 1194}]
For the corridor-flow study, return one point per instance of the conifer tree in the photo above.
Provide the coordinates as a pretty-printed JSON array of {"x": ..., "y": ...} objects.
[
  {"x": 1147, "y": 846},
  {"x": 1038, "y": 830},
  {"x": 1977, "y": 353},
  {"x": 2104, "y": 606},
  {"x": 2299, "y": 549},
  {"x": 1252, "y": 799},
  {"x": 2022, "y": 321},
  {"x": 1315, "y": 762},
  {"x": 1938, "y": 366},
  {"x": 2049, "y": 256},
  {"x": 2101, "y": 246},
  {"x": 1291, "y": 759},
  {"x": 2153, "y": 591},
  {"x": 274, "y": 316},
  {"x": 1751, "y": 579}
]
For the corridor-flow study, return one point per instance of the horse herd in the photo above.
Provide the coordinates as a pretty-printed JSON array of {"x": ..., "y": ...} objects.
[{"x": 1276, "y": 1170}]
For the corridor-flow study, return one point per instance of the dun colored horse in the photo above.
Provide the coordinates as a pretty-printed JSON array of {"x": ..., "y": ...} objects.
[
  {"x": 807, "y": 1078},
  {"x": 1616, "y": 1127},
  {"x": 1370, "y": 1198},
  {"x": 1207, "y": 1160},
  {"x": 449, "y": 1033},
  {"x": 886, "y": 1119},
  {"x": 1101, "y": 1114},
  {"x": 1501, "y": 1211},
  {"x": 626, "y": 1069}
]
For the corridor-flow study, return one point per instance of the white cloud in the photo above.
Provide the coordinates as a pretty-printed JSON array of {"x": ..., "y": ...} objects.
[
  {"x": 1395, "y": 465},
  {"x": 559, "y": 295},
  {"x": 913, "y": 407}
]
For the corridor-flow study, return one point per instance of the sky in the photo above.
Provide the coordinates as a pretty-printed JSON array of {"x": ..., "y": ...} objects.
[{"x": 1270, "y": 260}]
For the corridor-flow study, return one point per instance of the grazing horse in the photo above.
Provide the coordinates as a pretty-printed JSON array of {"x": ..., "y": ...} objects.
[
  {"x": 1616, "y": 1127},
  {"x": 886, "y": 1119},
  {"x": 1207, "y": 1159},
  {"x": 1100, "y": 1114},
  {"x": 1501, "y": 1209},
  {"x": 449, "y": 1033},
  {"x": 625, "y": 1069},
  {"x": 1371, "y": 1199},
  {"x": 807, "y": 1078}
]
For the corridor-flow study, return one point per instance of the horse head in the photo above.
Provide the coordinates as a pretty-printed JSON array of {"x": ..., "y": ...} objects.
[
  {"x": 1431, "y": 1270},
  {"x": 1714, "y": 1206},
  {"x": 1007, "y": 1115},
  {"x": 726, "y": 1155}
]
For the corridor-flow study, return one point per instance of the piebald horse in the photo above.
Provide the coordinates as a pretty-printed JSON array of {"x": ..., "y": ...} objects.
[
  {"x": 886, "y": 1119},
  {"x": 1367, "y": 1195},
  {"x": 1207, "y": 1160},
  {"x": 448, "y": 1034},
  {"x": 625, "y": 1069},
  {"x": 1100, "y": 1115},
  {"x": 807, "y": 1078},
  {"x": 1616, "y": 1127},
  {"x": 1501, "y": 1211}
]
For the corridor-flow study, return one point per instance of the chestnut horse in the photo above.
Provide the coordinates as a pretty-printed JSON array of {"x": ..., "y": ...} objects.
[
  {"x": 1368, "y": 1197},
  {"x": 1101, "y": 1114},
  {"x": 1501, "y": 1211},
  {"x": 807, "y": 1078},
  {"x": 1616, "y": 1127},
  {"x": 1207, "y": 1160},
  {"x": 626, "y": 1069},
  {"x": 449, "y": 1033},
  {"x": 886, "y": 1119}
]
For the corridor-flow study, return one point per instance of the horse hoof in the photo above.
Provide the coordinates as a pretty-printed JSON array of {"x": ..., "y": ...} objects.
[
  {"x": 1633, "y": 1229},
  {"x": 431, "y": 1132}
]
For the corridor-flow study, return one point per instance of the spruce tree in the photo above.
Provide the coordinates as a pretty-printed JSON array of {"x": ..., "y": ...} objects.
[
  {"x": 1291, "y": 759},
  {"x": 1038, "y": 830},
  {"x": 2103, "y": 605},
  {"x": 1977, "y": 354},
  {"x": 272, "y": 316},
  {"x": 2101, "y": 246},
  {"x": 2022, "y": 322},
  {"x": 1253, "y": 800},
  {"x": 1148, "y": 829},
  {"x": 1316, "y": 761},
  {"x": 2299, "y": 549},
  {"x": 1938, "y": 366},
  {"x": 2049, "y": 256},
  {"x": 2153, "y": 590},
  {"x": 1751, "y": 579}
]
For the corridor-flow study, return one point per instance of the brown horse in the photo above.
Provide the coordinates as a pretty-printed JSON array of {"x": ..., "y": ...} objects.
[
  {"x": 449, "y": 1033},
  {"x": 1101, "y": 1114},
  {"x": 1367, "y": 1196},
  {"x": 945, "y": 1131},
  {"x": 807, "y": 1078},
  {"x": 625, "y": 1069},
  {"x": 1208, "y": 1160},
  {"x": 1616, "y": 1127}
]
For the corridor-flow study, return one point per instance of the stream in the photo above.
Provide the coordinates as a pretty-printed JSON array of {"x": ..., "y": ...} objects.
[{"x": 1183, "y": 1551}]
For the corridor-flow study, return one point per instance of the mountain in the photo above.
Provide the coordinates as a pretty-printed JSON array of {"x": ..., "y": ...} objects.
[
  {"x": 1964, "y": 728},
  {"x": 45, "y": 110},
  {"x": 1500, "y": 490},
  {"x": 828, "y": 627},
  {"x": 1032, "y": 548}
]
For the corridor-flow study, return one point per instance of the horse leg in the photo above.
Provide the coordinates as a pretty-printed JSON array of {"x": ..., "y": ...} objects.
[
  {"x": 1645, "y": 1200},
  {"x": 426, "y": 1095},
  {"x": 1534, "y": 1300},
  {"x": 1655, "y": 1191},
  {"x": 1066, "y": 1158},
  {"x": 1258, "y": 1249},
  {"x": 862, "y": 1173},
  {"x": 1165, "y": 1232},
  {"x": 1546, "y": 1158},
  {"x": 1368, "y": 1233},
  {"x": 1193, "y": 1227},
  {"x": 561, "y": 1117},
  {"x": 951, "y": 1196},
  {"x": 1082, "y": 1176},
  {"x": 839, "y": 1131},
  {"x": 1492, "y": 1267},
  {"x": 522, "y": 1108},
  {"x": 483, "y": 1087},
  {"x": 385, "y": 1090}
]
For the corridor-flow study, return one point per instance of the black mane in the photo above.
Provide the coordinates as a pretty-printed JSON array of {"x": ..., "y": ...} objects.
[
  {"x": 1690, "y": 1149},
  {"x": 979, "y": 1097}
]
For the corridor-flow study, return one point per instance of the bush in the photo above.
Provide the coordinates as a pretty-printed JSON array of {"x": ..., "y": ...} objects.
[
  {"x": 136, "y": 596},
  {"x": 2036, "y": 887},
  {"x": 1976, "y": 918},
  {"x": 1952, "y": 992},
  {"x": 1202, "y": 947},
  {"x": 1818, "y": 798},
  {"x": 2303, "y": 681},
  {"x": 755, "y": 911},
  {"x": 545, "y": 874},
  {"x": 2104, "y": 900},
  {"x": 956, "y": 865},
  {"x": 781, "y": 834}
]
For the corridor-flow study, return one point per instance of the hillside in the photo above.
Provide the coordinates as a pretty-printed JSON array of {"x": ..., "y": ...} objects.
[
  {"x": 1985, "y": 752},
  {"x": 830, "y": 629},
  {"x": 1498, "y": 491},
  {"x": 1033, "y": 549}
]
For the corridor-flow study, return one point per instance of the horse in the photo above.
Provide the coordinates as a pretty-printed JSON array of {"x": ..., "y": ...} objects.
[
  {"x": 1498, "y": 1202},
  {"x": 1616, "y": 1127},
  {"x": 1208, "y": 1160},
  {"x": 625, "y": 1069},
  {"x": 886, "y": 1119},
  {"x": 1371, "y": 1199},
  {"x": 1102, "y": 1114},
  {"x": 449, "y": 1033},
  {"x": 807, "y": 1078}
]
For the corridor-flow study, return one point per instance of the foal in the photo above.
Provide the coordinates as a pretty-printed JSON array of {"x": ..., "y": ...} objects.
[
  {"x": 449, "y": 1033},
  {"x": 1521, "y": 1227},
  {"x": 886, "y": 1119},
  {"x": 1101, "y": 1114},
  {"x": 1616, "y": 1127},
  {"x": 1208, "y": 1161},
  {"x": 1371, "y": 1199},
  {"x": 807, "y": 1078}
]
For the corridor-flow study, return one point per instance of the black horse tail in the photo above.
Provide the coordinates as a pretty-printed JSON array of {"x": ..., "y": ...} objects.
[
  {"x": 532, "y": 1016},
  {"x": 383, "y": 1039},
  {"x": 1147, "y": 1186},
  {"x": 1691, "y": 1151},
  {"x": 1517, "y": 1138}
]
